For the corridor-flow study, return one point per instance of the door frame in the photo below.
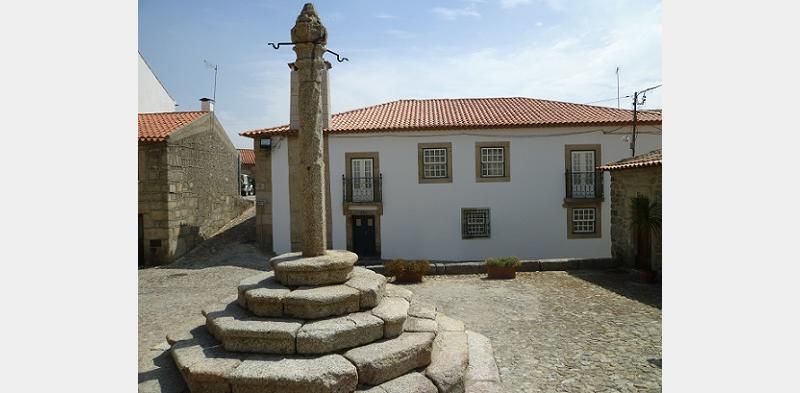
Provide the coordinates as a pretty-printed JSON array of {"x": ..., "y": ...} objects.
[{"x": 349, "y": 228}]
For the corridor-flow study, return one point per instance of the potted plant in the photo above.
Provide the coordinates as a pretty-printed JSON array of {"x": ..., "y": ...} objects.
[
  {"x": 502, "y": 267},
  {"x": 646, "y": 221},
  {"x": 407, "y": 271}
]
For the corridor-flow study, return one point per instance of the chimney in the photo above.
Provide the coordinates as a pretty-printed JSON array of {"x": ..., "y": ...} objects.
[
  {"x": 206, "y": 105},
  {"x": 294, "y": 113}
]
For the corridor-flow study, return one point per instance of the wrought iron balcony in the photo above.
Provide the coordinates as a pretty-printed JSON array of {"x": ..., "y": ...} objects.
[
  {"x": 584, "y": 185},
  {"x": 362, "y": 189}
]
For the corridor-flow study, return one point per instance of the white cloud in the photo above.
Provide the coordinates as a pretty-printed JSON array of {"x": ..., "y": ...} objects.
[
  {"x": 513, "y": 3},
  {"x": 455, "y": 13},
  {"x": 574, "y": 62}
]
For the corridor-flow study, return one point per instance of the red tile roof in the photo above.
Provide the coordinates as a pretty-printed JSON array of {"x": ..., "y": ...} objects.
[
  {"x": 248, "y": 156},
  {"x": 461, "y": 113},
  {"x": 652, "y": 158},
  {"x": 156, "y": 127}
]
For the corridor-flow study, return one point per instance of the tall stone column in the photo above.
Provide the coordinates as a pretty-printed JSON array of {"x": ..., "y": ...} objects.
[{"x": 310, "y": 37}]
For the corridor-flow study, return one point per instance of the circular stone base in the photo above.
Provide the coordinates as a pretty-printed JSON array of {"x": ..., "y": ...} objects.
[{"x": 335, "y": 267}]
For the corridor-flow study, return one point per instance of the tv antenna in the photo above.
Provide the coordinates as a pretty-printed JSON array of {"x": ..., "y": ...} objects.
[{"x": 215, "y": 68}]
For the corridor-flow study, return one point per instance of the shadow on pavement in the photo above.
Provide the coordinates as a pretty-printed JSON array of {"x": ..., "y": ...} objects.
[
  {"x": 165, "y": 377},
  {"x": 235, "y": 246},
  {"x": 619, "y": 281}
]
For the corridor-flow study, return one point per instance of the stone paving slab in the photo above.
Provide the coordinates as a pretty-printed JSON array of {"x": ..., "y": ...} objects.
[
  {"x": 409, "y": 383},
  {"x": 421, "y": 309}
]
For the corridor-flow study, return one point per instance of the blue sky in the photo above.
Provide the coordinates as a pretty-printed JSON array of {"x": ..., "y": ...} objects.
[{"x": 550, "y": 49}]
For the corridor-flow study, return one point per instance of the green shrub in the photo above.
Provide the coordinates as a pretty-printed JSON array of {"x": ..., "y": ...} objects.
[
  {"x": 401, "y": 265},
  {"x": 504, "y": 262}
]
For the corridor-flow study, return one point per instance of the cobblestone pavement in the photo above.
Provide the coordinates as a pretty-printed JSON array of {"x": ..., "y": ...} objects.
[{"x": 582, "y": 331}]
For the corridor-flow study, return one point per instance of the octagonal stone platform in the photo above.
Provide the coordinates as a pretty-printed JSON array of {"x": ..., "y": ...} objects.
[
  {"x": 361, "y": 333},
  {"x": 293, "y": 269}
]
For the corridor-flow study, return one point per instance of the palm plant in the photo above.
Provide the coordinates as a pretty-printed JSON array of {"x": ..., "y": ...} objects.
[{"x": 646, "y": 220}]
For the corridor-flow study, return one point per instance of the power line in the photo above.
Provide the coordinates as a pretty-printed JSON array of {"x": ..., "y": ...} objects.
[{"x": 607, "y": 99}]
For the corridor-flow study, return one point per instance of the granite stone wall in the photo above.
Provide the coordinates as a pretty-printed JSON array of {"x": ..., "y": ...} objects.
[
  {"x": 188, "y": 189},
  {"x": 263, "y": 181},
  {"x": 626, "y": 184},
  {"x": 153, "y": 191}
]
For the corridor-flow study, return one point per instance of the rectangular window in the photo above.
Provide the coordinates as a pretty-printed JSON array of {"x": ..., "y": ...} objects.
[
  {"x": 492, "y": 162},
  {"x": 434, "y": 163},
  {"x": 583, "y": 220},
  {"x": 583, "y": 181},
  {"x": 475, "y": 223}
]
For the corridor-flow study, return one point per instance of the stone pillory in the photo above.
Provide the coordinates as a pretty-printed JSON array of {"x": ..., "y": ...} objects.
[
  {"x": 310, "y": 37},
  {"x": 316, "y": 323}
]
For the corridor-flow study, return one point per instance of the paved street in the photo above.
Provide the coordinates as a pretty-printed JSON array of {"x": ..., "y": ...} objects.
[{"x": 552, "y": 331}]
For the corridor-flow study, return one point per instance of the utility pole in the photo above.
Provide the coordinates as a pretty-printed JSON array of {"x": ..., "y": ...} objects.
[{"x": 636, "y": 103}]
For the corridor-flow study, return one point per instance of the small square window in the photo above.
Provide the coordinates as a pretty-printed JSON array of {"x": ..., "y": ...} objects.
[
  {"x": 475, "y": 223},
  {"x": 583, "y": 220},
  {"x": 492, "y": 162},
  {"x": 434, "y": 163},
  {"x": 264, "y": 143}
]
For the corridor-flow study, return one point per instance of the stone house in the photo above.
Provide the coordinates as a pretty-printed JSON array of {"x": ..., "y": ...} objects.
[
  {"x": 451, "y": 179},
  {"x": 188, "y": 182},
  {"x": 630, "y": 177},
  {"x": 247, "y": 161}
]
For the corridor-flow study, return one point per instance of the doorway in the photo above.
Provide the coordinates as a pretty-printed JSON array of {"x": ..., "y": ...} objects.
[{"x": 364, "y": 235}]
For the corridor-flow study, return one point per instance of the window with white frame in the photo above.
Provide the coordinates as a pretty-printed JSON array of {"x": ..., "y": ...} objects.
[
  {"x": 492, "y": 162},
  {"x": 475, "y": 223},
  {"x": 434, "y": 163},
  {"x": 583, "y": 220}
]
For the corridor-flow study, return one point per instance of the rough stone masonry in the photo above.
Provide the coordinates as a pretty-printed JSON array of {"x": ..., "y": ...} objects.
[{"x": 310, "y": 37}]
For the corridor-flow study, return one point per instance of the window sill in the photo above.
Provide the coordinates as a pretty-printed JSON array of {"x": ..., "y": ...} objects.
[
  {"x": 572, "y": 202},
  {"x": 435, "y": 180},
  {"x": 493, "y": 179}
]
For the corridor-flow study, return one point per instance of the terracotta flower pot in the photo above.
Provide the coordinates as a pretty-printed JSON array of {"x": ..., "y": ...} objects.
[
  {"x": 504, "y": 272},
  {"x": 407, "y": 276}
]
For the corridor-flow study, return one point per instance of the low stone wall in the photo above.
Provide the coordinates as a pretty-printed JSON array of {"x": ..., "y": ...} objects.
[{"x": 531, "y": 265}]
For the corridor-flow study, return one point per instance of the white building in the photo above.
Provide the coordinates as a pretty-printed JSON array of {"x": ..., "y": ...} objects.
[
  {"x": 153, "y": 96},
  {"x": 455, "y": 179}
]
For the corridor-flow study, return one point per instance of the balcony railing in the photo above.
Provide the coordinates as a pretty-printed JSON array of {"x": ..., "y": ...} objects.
[
  {"x": 362, "y": 189},
  {"x": 584, "y": 185}
]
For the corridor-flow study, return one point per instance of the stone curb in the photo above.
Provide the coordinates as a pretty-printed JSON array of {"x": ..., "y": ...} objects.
[{"x": 532, "y": 265}]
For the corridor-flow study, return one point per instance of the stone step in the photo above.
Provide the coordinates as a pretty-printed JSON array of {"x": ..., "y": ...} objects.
[
  {"x": 264, "y": 296},
  {"x": 325, "y": 374},
  {"x": 369, "y": 284},
  {"x": 207, "y": 367},
  {"x": 384, "y": 360},
  {"x": 393, "y": 311},
  {"x": 240, "y": 332},
  {"x": 293, "y": 269},
  {"x": 409, "y": 383},
  {"x": 393, "y": 290},
  {"x": 329, "y": 335},
  {"x": 482, "y": 375},
  {"x": 449, "y": 360},
  {"x": 421, "y": 309},
  {"x": 321, "y": 302}
]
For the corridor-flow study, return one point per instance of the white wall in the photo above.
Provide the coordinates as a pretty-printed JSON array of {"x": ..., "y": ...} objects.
[
  {"x": 153, "y": 97},
  {"x": 281, "y": 241},
  {"x": 424, "y": 220}
]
